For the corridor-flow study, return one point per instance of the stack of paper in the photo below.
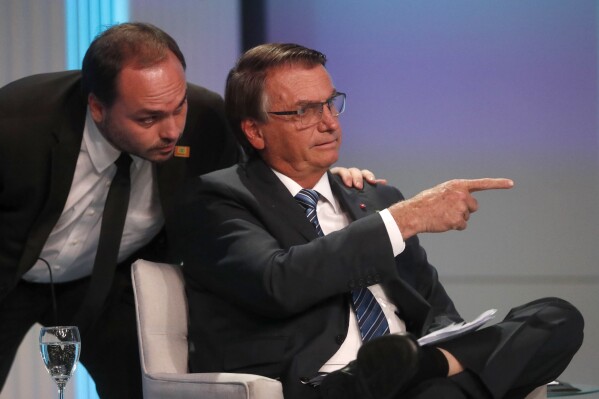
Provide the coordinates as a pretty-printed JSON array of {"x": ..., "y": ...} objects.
[{"x": 456, "y": 329}]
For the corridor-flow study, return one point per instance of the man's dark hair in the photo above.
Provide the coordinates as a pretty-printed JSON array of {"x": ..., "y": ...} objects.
[
  {"x": 140, "y": 44},
  {"x": 244, "y": 92}
]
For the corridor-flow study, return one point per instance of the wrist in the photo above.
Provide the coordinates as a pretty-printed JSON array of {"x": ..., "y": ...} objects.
[{"x": 405, "y": 219}]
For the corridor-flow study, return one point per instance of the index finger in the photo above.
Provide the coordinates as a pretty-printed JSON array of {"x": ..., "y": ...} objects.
[{"x": 474, "y": 185}]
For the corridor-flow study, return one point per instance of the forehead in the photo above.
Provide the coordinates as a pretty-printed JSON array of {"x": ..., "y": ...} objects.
[
  {"x": 292, "y": 84},
  {"x": 157, "y": 84}
]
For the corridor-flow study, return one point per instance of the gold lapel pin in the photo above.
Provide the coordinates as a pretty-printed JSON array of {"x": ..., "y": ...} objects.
[{"x": 182, "y": 151}]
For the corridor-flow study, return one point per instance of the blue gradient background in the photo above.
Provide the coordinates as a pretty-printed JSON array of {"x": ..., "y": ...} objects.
[{"x": 492, "y": 81}]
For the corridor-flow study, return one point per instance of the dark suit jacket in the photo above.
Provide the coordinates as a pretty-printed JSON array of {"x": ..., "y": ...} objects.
[
  {"x": 267, "y": 297},
  {"x": 41, "y": 127}
]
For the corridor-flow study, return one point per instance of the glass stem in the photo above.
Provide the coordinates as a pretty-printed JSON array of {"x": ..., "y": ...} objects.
[{"x": 61, "y": 392}]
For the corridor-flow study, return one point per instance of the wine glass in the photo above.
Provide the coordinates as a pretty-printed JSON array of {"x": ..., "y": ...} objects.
[{"x": 60, "y": 347}]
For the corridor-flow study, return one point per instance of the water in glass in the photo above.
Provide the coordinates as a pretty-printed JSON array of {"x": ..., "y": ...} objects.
[{"x": 60, "y": 347}]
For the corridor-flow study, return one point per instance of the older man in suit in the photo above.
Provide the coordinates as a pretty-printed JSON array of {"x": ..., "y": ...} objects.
[{"x": 292, "y": 276}]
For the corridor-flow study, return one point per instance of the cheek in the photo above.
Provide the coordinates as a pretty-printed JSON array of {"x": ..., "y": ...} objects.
[{"x": 136, "y": 136}]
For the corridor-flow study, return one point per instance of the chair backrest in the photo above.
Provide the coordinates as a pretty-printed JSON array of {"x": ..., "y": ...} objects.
[{"x": 161, "y": 308}]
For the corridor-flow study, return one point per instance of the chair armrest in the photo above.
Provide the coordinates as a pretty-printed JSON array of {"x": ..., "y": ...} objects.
[
  {"x": 539, "y": 393},
  {"x": 211, "y": 386}
]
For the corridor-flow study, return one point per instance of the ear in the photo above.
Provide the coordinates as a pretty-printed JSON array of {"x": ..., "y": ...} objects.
[
  {"x": 97, "y": 108},
  {"x": 253, "y": 133}
]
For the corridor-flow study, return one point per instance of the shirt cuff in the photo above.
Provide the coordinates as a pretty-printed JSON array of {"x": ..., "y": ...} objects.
[{"x": 397, "y": 242}]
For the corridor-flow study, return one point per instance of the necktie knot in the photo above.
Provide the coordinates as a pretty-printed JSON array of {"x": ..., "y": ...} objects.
[
  {"x": 307, "y": 198},
  {"x": 123, "y": 161}
]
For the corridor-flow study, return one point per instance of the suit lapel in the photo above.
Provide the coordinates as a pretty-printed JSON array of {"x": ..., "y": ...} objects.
[
  {"x": 170, "y": 176},
  {"x": 355, "y": 202},
  {"x": 276, "y": 199},
  {"x": 68, "y": 135}
]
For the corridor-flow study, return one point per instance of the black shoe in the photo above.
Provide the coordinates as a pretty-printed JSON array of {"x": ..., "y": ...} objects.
[{"x": 383, "y": 369}]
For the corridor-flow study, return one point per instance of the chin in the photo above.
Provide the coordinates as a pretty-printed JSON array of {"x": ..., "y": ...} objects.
[
  {"x": 332, "y": 159},
  {"x": 158, "y": 157},
  {"x": 162, "y": 158}
]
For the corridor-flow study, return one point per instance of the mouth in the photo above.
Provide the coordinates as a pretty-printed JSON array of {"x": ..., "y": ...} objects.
[
  {"x": 167, "y": 149},
  {"x": 327, "y": 144}
]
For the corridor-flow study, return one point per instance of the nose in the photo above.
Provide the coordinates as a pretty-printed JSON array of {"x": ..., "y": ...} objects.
[{"x": 328, "y": 123}]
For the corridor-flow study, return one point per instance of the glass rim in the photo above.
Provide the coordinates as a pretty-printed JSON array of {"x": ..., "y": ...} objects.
[{"x": 52, "y": 327}]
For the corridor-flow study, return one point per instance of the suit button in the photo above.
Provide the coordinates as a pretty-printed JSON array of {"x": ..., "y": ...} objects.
[
  {"x": 351, "y": 284},
  {"x": 340, "y": 339},
  {"x": 304, "y": 380}
]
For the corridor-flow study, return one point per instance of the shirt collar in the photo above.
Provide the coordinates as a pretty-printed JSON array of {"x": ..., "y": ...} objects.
[
  {"x": 100, "y": 151},
  {"x": 323, "y": 186}
]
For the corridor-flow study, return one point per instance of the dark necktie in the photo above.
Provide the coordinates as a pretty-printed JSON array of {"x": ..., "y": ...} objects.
[
  {"x": 111, "y": 231},
  {"x": 371, "y": 318}
]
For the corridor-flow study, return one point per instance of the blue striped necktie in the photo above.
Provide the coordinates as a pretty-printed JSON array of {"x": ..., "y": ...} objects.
[{"x": 371, "y": 318}]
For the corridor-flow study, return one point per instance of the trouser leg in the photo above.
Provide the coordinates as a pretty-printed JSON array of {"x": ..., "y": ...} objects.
[
  {"x": 530, "y": 347},
  {"x": 555, "y": 354},
  {"x": 436, "y": 388},
  {"x": 110, "y": 348}
]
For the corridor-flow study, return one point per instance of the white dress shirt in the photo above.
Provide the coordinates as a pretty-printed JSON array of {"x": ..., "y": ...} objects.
[
  {"x": 332, "y": 218},
  {"x": 71, "y": 246}
]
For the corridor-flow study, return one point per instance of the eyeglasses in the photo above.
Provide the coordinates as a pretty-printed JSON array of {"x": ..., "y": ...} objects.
[{"x": 311, "y": 113}]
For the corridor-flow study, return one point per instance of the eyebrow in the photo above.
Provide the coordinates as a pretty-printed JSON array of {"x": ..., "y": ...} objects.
[
  {"x": 302, "y": 103},
  {"x": 154, "y": 112}
]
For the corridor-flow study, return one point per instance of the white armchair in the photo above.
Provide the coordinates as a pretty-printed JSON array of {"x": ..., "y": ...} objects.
[
  {"x": 539, "y": 393},
  {"x": 161, "y": 308}
]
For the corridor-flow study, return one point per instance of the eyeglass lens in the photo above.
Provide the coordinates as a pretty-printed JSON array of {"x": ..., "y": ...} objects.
[{"x": 313, "y": 114}]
